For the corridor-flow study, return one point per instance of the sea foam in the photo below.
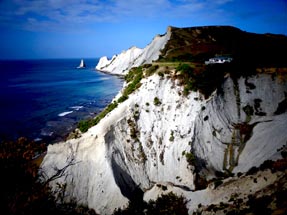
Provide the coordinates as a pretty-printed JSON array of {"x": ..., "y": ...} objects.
[
  {"x": 77, "y": 107},
  {"x": 65, "y": 113}
]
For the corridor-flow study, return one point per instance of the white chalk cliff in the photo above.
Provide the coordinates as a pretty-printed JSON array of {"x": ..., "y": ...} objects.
[
  {"x": 140, "y": 144},
  {"x": 133, "y": 57}
]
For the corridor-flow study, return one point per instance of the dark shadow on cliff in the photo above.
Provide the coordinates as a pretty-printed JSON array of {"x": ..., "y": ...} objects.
[{"x": 125, "y": 182}]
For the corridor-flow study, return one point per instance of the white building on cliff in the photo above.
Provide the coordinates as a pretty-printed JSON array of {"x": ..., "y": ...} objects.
[{"x": 219, "y": 59}]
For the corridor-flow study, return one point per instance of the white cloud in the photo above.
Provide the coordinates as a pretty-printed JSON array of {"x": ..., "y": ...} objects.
[{"x": 62, "y": 14}]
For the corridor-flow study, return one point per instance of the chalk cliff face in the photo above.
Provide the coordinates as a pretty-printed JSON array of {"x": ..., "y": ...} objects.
[
  {"x": 146, "y": 140},
  {"x": 133, "y": 57},
  {"x": 120, "y": 64}
]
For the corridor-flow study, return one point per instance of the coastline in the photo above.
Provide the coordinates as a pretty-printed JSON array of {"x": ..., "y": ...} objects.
[
  {"x": 52, "y": 97},
  {"x": 75, "y": 133},
  {"x": 121, "y": 76}
]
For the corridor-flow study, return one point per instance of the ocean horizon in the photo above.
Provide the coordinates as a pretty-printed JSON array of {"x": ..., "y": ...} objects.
[{"x": 44, "y": 99}]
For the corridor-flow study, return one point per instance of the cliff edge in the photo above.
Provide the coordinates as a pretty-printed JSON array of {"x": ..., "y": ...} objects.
[{"x": 133, "y": 57}]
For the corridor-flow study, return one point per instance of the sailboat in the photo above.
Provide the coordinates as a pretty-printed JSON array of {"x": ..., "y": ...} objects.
[{"x": 82, "y": 64}]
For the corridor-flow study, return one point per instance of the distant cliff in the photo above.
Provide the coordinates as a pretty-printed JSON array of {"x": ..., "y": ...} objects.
[
  {"x": 197, "y": 44},
  {"x": 133, "y": 57},
  {"x": 182, "y": 124}
]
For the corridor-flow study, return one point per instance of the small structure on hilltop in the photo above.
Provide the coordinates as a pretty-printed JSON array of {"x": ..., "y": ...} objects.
[{"x": 219, "y": 59}]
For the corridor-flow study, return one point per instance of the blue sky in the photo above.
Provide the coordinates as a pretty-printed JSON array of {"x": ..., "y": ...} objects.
[{"x": 93, "y": 28}]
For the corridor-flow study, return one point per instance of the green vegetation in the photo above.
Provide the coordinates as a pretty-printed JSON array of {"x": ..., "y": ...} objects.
[
  {"x": 190, "y": 158},
  {"x": 156, "y": 101},
  {"x": 136, "y": 115},
  {"x": 21, "y": 191},
  {"x": 133, "y": 74},
  {"x": 84, "y": 125},
  {"x": 161, "y": 74},
  {"x": 151, "y": 70},
  {"x": 191, "y": 47},
  {"x": 188, "y": 48},
  {"x": 204, "y": 78},
  {"x": 168, "y": 204},
  {"x": 171, "y": 138},
  {"x": 122, "y": 98},
  {"x": 185, "y": 70},
  {"x": 133, "y": 79},
  {"x": 197, "y": 44},
  {"x": 133, "y": 129}
]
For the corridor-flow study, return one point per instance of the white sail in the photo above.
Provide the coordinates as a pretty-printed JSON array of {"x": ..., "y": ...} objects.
[{"x": 82, "y": 64}]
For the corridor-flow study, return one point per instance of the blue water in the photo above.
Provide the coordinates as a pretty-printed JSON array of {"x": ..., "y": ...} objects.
[{"x": 45, "y": 99}]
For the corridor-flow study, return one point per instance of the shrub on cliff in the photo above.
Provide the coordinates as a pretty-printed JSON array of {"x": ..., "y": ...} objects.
[
  {"x": 156, "y": 101},
  {"x": 205, "y": 79},
  {"x": 190, "y": 158},
  {"x": 151, "y": 70},
  {"x": 21, "y": 191},
  {"x": 84, "y": 125},
  {"x": 168, "y": 204}
]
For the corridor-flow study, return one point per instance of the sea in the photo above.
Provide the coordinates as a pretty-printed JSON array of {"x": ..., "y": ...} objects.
[{"x": 44, "y": 100}]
